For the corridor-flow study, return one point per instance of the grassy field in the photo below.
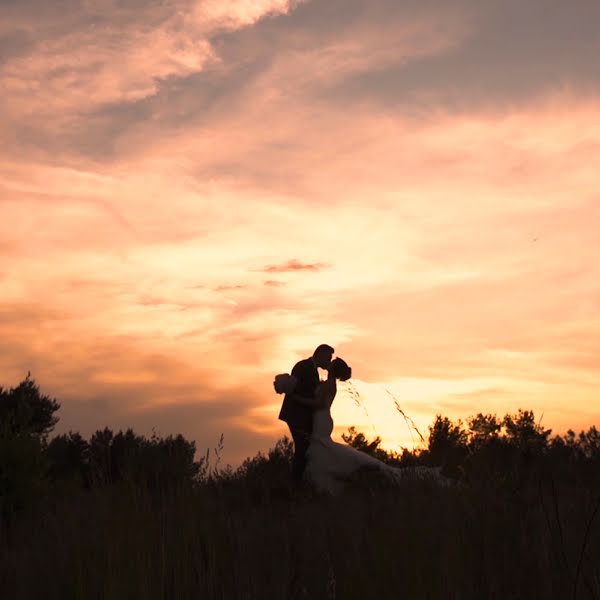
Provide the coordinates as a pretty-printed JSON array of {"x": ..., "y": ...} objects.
[
  {"x": 233, "y": 540},
  {"x": 123, "y": 516}
]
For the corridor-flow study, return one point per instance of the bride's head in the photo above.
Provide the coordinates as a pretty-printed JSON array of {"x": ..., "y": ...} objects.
[{"x": 339, "y": 369}]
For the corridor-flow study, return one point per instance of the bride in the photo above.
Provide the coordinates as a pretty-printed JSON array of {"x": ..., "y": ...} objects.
[{"x": 330, "y": 463}]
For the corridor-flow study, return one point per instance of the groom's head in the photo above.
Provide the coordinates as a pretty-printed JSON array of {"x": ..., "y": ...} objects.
[{"x": 322, "y": 355}]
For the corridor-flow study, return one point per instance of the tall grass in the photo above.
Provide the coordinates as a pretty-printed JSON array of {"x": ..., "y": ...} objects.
[
  {"x": 122, "y": 516},
  {"x": 240, "y": 539}
]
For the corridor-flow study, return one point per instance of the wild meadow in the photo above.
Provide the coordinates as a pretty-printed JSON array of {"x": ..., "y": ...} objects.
[{"x": 122, "y": 515}]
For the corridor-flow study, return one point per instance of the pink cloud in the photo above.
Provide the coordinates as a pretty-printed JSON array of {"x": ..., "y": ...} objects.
[
  {"x": 121, "y": 60},
  {"x": 451, "y": 247},
  {"x": 294, "y": 265}
]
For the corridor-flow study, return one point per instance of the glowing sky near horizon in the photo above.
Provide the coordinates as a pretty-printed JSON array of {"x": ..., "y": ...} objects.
[{"x": 194, "y": 194}]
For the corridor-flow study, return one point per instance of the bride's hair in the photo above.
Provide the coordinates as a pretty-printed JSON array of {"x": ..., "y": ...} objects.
[{"x": 340, "y": 369}]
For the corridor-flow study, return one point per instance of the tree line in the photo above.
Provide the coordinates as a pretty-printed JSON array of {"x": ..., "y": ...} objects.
[{"x": 484, "y": 449}]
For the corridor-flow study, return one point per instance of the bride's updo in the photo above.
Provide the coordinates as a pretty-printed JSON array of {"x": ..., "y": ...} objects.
[{"x": 340, "y": 369}]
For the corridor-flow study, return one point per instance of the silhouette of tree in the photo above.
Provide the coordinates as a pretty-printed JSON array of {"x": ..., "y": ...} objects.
[
  {"x": 100, "y": 459},
  {"x": 360, "y": 442},
  {"x": 507, "y": 454},
  {"x": 274, "y": 465},
  {"x": 26, "y": 418},
  {"x": 524, "y": 433},
  {"x": 447, "y": 445},
  {"x": 483, "y": 429},
  {"x": 585, "y": 446},
  {"x": 68, "y": 456},
  {"x": 156, "y": 462},
  {"x": 23, "y": 410},
  {"x": 169, "y": 461},
  {"x": 589, "y": 443}
]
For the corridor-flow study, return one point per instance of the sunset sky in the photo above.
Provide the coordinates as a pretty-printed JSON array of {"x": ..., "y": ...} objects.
[{"x": 196, "y": 193}]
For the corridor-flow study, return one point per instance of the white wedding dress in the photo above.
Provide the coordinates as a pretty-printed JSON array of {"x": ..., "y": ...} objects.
[{"x": 329, "y": 463}]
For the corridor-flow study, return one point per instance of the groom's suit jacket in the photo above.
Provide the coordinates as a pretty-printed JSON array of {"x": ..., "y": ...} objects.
[{"x": 296, "y": 415}]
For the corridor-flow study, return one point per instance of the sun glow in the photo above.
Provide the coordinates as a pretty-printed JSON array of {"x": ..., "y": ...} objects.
[{"x": 198, "y": 194}]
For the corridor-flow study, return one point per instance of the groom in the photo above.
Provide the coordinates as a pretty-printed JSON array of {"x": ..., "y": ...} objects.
[{"x": 297, "y": 408}]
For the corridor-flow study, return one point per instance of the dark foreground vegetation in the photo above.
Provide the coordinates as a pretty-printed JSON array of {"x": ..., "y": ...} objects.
[{"x": 125, "y": 516}]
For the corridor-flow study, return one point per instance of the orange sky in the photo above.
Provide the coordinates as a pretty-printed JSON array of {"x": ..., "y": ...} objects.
[{"x": 194, "y": 194}]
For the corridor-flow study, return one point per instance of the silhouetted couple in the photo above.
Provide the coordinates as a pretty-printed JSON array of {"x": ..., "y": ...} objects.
[{"x": 306, "y": 409}]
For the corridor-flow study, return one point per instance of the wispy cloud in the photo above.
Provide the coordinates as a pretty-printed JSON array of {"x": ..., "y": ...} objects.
[
  {"x": 109, "y": 53},
  {"x": 434, "y": 180},
  {"x": 229, "y": 287},
  {"x": 274, "y": 283},
  {"x": 294, "y": 265}
]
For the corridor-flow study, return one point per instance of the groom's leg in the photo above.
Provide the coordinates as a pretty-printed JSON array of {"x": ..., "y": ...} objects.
[{"x": 300, "y": 447}]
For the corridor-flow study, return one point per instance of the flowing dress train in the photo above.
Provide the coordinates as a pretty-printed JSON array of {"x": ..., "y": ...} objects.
[{"x": 331, "y": 463}]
